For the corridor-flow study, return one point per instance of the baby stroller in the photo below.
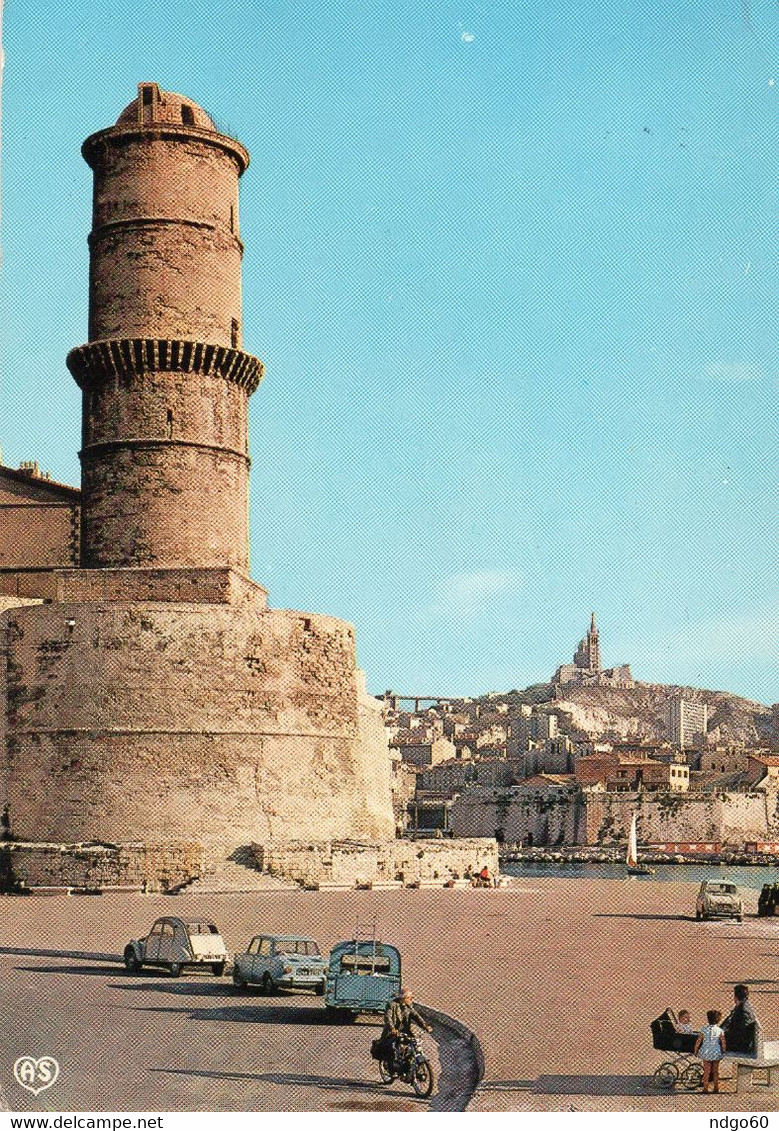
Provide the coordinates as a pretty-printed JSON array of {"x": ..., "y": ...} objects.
[{"x": 681, "y": 1067}]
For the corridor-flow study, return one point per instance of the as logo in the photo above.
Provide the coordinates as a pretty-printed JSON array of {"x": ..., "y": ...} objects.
[{"x": 36, "y": 1075}]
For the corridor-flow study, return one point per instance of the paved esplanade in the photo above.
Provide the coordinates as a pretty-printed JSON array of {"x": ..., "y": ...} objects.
[{"x": 559, "y": 979}]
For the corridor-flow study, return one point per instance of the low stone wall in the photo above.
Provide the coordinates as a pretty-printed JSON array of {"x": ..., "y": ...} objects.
[
  {"x": 93, "y": 866},
  {"x": 526, "y": 814},
  {"x": 351, "y": 863}
]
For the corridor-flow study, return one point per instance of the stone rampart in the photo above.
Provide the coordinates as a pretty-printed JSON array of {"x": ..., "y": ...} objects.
[
  {"x": 94, "y": 866},
  {"x": 568, "y": 815},
  {"x": 214, "y": 724},
  {"x": 352, "y": 862},
  {"x": 519, "y": 814},
  {"x": 190, "y": 586},
  {"x": 727, "y": 818}
]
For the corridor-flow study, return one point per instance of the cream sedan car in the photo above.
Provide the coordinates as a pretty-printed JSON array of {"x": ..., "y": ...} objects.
[
  {"x": 719, "y": 899},
  {"x": 175, "y": 943}
]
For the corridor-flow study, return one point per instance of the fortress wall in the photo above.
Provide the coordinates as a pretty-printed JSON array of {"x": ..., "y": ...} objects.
[
  {"x": 405, "y": 861},
  {"x": 544, "y": 816},
  {"x": 220, "y": 725},
  {"x": 548, "y": 817},
  {"x": 750, "y": 816},
  {"x": 189, "y": 586},
  {"x": 729, "y": 818},
  {"x": 38, "y": 535}
]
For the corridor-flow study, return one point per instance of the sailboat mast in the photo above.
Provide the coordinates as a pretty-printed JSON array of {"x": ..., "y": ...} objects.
[{"x": 633, "y": 841}]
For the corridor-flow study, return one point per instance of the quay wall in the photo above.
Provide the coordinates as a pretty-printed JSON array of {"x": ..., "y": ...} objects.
[
  {"x": 405, "y": 861},
  {"x": 97, "y": 866},
  {"x": 568, "y": 815}
]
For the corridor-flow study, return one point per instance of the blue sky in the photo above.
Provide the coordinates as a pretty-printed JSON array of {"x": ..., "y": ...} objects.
[{"x": 512, "y": 270}]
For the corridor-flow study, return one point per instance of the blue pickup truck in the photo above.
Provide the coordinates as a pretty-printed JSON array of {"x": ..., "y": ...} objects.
[{"x": 362, "y": 977}]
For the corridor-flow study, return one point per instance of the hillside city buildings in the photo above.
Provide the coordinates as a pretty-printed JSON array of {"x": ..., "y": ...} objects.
[{"x": 516, "y": 764}]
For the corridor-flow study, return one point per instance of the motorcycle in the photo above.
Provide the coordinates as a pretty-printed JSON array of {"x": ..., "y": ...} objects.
[{"x": 409, "y": 1064}]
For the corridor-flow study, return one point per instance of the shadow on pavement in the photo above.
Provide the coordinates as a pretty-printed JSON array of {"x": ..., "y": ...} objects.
[
  {"x": 745, "y": 938},
  {"x": 459, "y": 1071},
  {"x": 88, "y": 955},
  {"x": 114, "y": 960},
  {"x": 256, "y": 1014},
  {"x": 183, "y": 987},
  {"x": 576, "y": 1086},
  {"x": 634, "y": 915},
  {"x": 92, "y": 970},
  {"x": 290, "y": 1080},
  {"x": 751, "y": 981}
]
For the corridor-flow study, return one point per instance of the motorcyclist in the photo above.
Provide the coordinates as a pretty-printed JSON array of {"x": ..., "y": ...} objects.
[{"x": 399, "y": 1016}]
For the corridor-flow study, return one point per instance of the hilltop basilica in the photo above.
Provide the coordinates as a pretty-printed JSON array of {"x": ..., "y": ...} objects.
[{"x": 586, "y": 667}]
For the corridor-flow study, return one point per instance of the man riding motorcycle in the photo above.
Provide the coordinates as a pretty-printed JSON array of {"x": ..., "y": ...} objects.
[{"x": 399, "y": 1016}]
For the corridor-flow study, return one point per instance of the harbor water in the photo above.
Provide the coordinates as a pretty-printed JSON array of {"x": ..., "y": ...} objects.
[{"x": 745, "y": 877}]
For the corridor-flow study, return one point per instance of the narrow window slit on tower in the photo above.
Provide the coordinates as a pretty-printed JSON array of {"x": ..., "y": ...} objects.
[
  {"x": 148, "y": 97},
  {"x": 232, "y": 218},
  {"x": 170, "y": 423},
  {"x": 187, "y": 115},
  {"x": 234, "y": 328}
]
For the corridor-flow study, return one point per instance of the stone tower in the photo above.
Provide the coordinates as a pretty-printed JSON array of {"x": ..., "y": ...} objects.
[
  {"x": 157, "y": 698},
  {"x": 587, "y": 656},
  {"x": 165, "y": 384}
]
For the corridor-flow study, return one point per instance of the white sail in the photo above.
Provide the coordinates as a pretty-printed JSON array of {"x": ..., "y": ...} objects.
[{"x": 632, "y": 857}]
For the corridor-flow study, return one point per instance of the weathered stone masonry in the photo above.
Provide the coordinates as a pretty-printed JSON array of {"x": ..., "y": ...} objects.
[
  {"x": 569, "y": 815},
  {"x": 157, "y": 698}
]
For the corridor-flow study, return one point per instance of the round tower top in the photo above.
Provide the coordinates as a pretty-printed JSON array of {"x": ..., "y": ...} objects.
[
  {"x": 162, "y": 113},
  {"x": 155, "y": 105}
]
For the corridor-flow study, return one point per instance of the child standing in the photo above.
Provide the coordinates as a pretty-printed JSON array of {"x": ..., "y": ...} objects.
[{"x": 709, "y": 1047}]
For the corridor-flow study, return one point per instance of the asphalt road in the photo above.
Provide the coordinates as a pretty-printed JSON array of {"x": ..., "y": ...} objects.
[
  {"x": 150, "y": 1042},
  {"x": 559, "y": 979}
]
